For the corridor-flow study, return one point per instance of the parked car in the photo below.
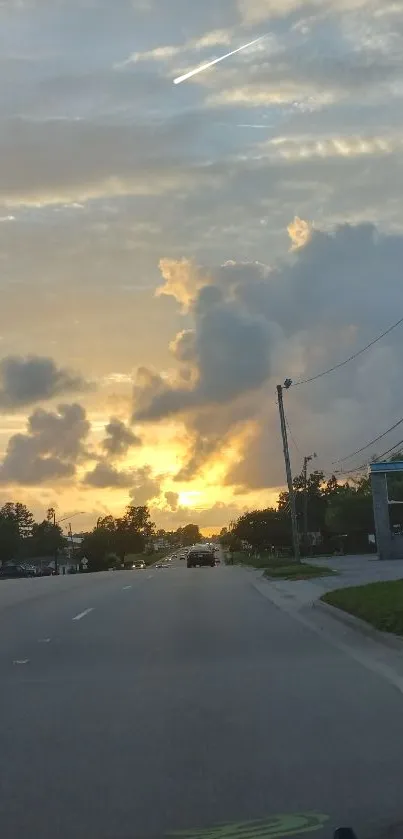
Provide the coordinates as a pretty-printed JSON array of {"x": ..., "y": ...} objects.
[{"x": 13, "y": 570}]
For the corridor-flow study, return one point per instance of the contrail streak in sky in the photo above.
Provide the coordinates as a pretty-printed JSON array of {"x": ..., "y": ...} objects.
[{"x": 202, "y": 67}]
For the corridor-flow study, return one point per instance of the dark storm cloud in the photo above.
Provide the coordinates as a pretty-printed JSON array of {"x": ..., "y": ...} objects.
[
  {"x": 332, "y": 295},
  {"x": 145, "y": 487},
  {"x": 29, "y": 379},
  {"x": 119, "y": 438},
  {"x": 231, "y": 355},
  {"x": 104, "y": 475},
  {"x": 51, "y": 448}
]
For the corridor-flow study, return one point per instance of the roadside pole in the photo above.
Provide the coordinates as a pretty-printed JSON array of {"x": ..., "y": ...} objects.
[
  {"x": 291, "y": 493},
  {"x": 56, "y": 549}
]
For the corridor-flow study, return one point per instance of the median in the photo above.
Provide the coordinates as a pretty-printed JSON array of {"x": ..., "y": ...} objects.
[{"x": 379, "y": 604}]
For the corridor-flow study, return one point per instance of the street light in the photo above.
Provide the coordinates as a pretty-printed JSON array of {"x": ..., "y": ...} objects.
[{"x": 56, "y": 523}]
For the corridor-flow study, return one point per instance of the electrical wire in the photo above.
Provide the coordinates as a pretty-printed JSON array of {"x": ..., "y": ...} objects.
[
  {"x": 367, "y": 445},
  {"x": 291, "y": 435},
  {"x": 351, "y": 358},
  {"x": 351, "y": 471},
  {"x": 400, "y": 443}
]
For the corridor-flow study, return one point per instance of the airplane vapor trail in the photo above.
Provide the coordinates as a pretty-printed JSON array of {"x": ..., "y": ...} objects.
[{"x": 202, "y": 67}]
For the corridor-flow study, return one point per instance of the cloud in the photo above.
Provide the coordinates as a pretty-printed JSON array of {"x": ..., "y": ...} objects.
[
  {"x": 50, "y": 449},
  {"x": 217, "y": 516},
  {"x": 145, "y": 487},
  {"x": 140, "y": 159},
  {"x": 255, "y": 325},
  {"x": 104, "y": 475},
  {"x": 119, "y": 438},
  {"x": 29, "y": 379},
  {"x": 182, "y": 279},
  {"x": 183, "y": 346},
  {"x": 229, "y": 349},
  {"x": 172, "y": 499}
]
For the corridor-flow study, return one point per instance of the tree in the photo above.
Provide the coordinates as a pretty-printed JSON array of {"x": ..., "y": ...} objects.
[
  {"x": 20, "y": 514},
  {"x": 117, "y": 537},
  {"x": 47, "y": 538},
  {"x": 9, "y": 538},
  {"x": 132, "y": 530},
  {"x": 189, "y": 535},
  {"x": 264, "y": 528},
  {"x": 350, "y": 514}
]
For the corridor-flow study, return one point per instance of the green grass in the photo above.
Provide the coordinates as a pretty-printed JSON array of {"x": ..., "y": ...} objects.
[
  {"x": 380, "y": 604},
  {"x": 297, "y": 571},
  {"x": 283, "y": 568}
]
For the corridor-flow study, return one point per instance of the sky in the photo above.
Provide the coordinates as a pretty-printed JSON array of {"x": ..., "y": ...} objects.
[{"x": 169, "y": 253}]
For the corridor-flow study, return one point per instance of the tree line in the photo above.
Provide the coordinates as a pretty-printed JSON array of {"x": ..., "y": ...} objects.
[
  {"x": 106, "y": 545},
  {"x": 341, "y": 514}
]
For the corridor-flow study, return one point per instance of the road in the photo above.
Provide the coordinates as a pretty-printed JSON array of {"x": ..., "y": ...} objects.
[{"x": 134, "y": 704}]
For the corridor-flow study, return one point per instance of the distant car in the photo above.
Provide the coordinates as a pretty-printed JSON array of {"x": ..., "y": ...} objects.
[
  {"x": 139, "y": 566},
  {"x": 174, "y": 556},
  {"x": 182, "y": 556},
  {"x": 12, "y": 571}
]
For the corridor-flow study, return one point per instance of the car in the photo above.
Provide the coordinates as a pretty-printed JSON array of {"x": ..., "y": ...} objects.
[
  {"x": 182, "y": 556},
  {"x": 12, "y": 571},
  {"x": 174, "y": 556},
  {"x": 47, "y": 571},
  {"x": 139, "y": 566},
  {"x": 200, "y": 556}
]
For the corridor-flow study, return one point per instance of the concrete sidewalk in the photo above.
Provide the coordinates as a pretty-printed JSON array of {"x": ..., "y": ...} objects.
[
  {"x": 300, "y": 599},
  {"x": 350, "y": 570}
]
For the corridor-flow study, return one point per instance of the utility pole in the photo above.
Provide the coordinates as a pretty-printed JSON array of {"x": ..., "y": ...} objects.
[
  {"x": 56, "y": 549},
  {"x": 291, "y": 493}
]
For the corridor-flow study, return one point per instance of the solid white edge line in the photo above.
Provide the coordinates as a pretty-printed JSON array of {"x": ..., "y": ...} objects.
[{"x": 83, "y": 614}]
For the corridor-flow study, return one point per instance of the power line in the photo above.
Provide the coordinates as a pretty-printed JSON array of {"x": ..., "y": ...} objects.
[
  {"x": 351, "y": 471},
  {"x": 291, "y": 434},
  {"x": 351, "y": 358},
  {"x": 367, "y": 445},
  {"x": 400, "y": 443}
]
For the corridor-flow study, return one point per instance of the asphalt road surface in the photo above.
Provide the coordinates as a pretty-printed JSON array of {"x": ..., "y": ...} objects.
[{"x": 136, "y": 704}]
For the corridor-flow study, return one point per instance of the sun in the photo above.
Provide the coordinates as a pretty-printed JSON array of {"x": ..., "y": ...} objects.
[{"x": 189, "y": 498}]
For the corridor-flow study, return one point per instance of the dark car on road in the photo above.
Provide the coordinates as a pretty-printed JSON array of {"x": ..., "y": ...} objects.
[
  {"x": 200, "y": 556},
  {"x": 12, "y": 570}
]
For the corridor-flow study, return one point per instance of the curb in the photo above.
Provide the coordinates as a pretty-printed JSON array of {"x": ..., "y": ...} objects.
[{"x": 395, "y": 642}]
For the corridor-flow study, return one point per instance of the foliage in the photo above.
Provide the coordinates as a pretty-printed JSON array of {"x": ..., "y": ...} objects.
[
  {"x": 189, "y": 535},
  {"x": 22, "y": 517},
  {"x": 9, "y": 538},
  {"x": 119, "y": 537},
  {"x": 263, "y": 528},
  {"x": 350, "y": 511},
  {"x": 47, "y": 538},
  {"x": 380, "y": 604},
  {"x": 228, "y": 539}
]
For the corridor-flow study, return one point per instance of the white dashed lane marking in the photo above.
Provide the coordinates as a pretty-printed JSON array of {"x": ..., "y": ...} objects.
[
  {"x": 21, "y": 661},
  {"x": 125, "y": 588},
  {"x": 83, "y": 614}
]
